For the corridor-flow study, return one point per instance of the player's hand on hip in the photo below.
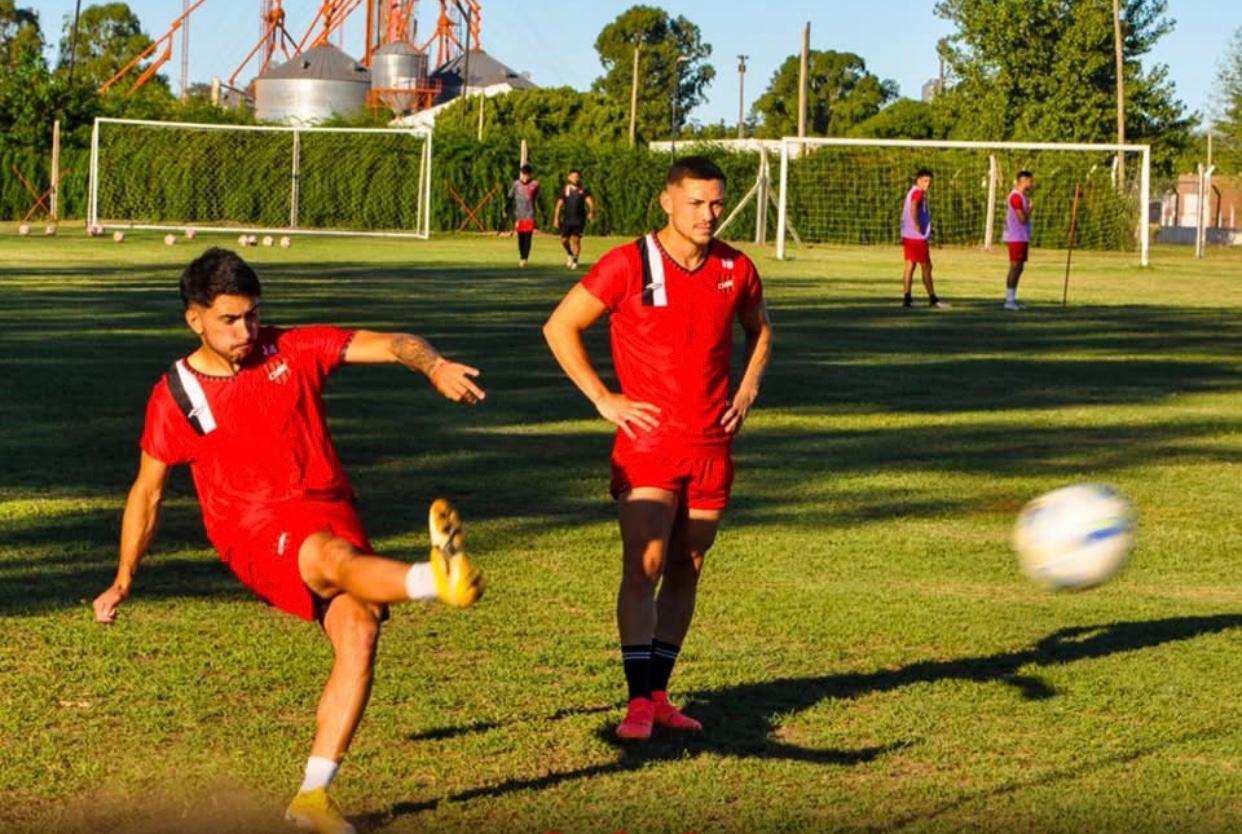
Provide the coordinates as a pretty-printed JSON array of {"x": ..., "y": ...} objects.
[
  {"x": 455, "y": 382},
  {"x": 628, "y": 415},
  {"x": 107, "y": 603},
  {"x": 737, "y": 411}
]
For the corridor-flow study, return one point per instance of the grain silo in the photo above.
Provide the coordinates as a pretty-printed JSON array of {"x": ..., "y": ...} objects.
[{"x": 311, "y": 87}]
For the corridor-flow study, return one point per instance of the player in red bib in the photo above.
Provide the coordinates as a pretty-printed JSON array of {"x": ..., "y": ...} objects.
[
  {"x": 672, "y": 297},
  {"x": 246, "y": 412}
]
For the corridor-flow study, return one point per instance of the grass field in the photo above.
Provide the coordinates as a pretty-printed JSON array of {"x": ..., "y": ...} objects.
[{"x": 866, "y": 655}]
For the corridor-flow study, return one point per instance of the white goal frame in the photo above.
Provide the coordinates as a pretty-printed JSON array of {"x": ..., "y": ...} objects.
[
  {"x": 792, "y": 146},
  {"x": 423, "y": 230}
]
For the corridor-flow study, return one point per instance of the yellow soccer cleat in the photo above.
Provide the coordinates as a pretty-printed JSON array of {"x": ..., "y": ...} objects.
[
  {"x": 316, "y": 811},
  {"x": 458, "y": 582}
]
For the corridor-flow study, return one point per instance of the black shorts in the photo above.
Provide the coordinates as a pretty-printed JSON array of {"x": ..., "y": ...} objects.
[{"x": 573, "y": 229}]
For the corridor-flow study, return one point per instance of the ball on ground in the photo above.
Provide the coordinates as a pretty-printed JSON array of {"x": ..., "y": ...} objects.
[
  {"x": 285, "y": 242},
  {"x": 23, "y": 229},
  {"x": 170, "y": 239},
  {"x": 51, "y": 230},
  {"x": 267, "y": 240},
  {"x": 1074, "y": 537},
  {"x": 242, "y": 240},
  {"x": 189, "y": 234},
  {"x": 252, "y": 240},
  {"x": 118, "y": 236},
  {"x": 94, "y": 230}
]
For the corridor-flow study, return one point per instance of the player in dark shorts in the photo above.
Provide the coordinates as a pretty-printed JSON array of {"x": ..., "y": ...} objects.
[
  {"x": 575, "y": 207},
  {"x": 672, "y": 298},
  {"x": 246, "y": 412}
]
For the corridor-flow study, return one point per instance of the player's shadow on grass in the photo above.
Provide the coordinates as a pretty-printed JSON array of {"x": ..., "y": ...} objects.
[{"x": 741, "y": 720}]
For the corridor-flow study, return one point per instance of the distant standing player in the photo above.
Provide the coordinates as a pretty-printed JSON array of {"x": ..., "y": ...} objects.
[
  {"x": 575, "y": 207},
  {"x": 916, "y": 231},
  {"x": 522, "y": 194},
  {"x": 1017, "y": 235},
  {"x": 246, "y": 412},
  {"x": 672, "y": 297}
]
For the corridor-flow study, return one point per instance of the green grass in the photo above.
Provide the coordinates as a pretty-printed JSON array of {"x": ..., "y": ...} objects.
[{"x": 866, "y": 655}]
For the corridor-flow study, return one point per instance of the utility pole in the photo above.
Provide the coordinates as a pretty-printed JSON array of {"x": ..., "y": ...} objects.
[
  {"x": 185, "y": 50},
  {"x": 741, "y": 95},
  {"x": 1121, "y": 95},
  {"x": 676, "y": 92},
  {"x": 634, "y": 93},
  {"x": 802, "y": 72}
]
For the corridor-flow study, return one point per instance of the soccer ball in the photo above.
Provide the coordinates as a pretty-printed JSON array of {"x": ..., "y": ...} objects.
[
  {"x": 170, "y": 239},
  {"x": 94, "y": 230},
  {"x": 23, "y": 229},
  {"x": 1074, "y": 537},
  {"x": 267, "y": 240},
  {"x": 252, "y": 240},
  {"x": 189, "y": 233},
  {"x": 118, "y": 236},
  {"x": 242, "y": 240},
  {"x": 285, "y": 242},
  {"x": 50, "y": 231}
]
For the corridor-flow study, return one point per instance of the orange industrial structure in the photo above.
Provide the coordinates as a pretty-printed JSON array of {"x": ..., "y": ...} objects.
[{"x": 388, "y": 23}]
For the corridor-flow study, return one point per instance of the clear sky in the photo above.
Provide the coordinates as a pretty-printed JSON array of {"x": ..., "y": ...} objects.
[{"x": 554, "y": 40}]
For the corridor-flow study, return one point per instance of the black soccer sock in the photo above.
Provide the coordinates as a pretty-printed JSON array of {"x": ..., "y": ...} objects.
[
  {"x": 637, "y": 663},
  {"x": 524, "y": 244},
  {"x": 663, "y": 656}
]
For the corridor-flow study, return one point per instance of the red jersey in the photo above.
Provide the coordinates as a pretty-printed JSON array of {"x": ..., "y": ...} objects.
[
  {"x": 257, "y": 439},
  {"x": 672, "y": 337}
]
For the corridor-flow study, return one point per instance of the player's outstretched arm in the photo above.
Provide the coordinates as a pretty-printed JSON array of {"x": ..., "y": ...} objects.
[
  {"x": 758, "y": 351},
  {"x": 577, "y": 311},
  {"x": 453, "y": 380},
  {"x": 142, "y": 512}
]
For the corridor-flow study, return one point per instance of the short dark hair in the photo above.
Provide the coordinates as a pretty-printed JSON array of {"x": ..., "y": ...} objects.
[
  {"x": 526, "y": 169},
  {"x": 577, "y": 171},
  {"x": 922, "y": 172},
  {"x": 217, "y": 272},
  {"x": 1025, "y": 175},
  {"x": 693, "y": 168}
]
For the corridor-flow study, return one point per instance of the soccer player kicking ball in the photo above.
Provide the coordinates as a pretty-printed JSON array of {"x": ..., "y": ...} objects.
[
  {"x": 915, "y": 240},
  {"x": 672, "y": 296},
  {"x": 1017, "y": 235},
  {"x": 246, "y": 412}
]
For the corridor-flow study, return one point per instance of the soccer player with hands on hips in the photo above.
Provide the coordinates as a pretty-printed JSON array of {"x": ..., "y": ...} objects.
[
  {"x": 672, "y": 297},
  {"x": 246, "y": 412},
  {"x": 916, "y": 232},
  {"x": 1017, "y": 235}
]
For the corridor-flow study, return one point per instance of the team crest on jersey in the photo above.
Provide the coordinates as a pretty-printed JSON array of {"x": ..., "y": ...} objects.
[
  {"x": 277, "y": 370},
  {"x": 726, "y": 284}
]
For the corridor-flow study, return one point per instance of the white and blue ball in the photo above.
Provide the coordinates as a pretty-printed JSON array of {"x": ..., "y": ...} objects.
[{"x": 1074, "y": 537}]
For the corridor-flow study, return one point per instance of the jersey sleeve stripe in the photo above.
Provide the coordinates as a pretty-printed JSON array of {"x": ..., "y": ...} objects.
[
  {"x": 653, "y": 274},
  {"x": 190, "y": 398}
]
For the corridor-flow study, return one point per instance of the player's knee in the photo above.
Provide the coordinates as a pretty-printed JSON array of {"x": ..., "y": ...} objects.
[
  {"x": 686, "y": 565},
  {"x": 642, "y": 570},
  {"x": 334, "y": 557},
  {"x": 355, "y": 632}
]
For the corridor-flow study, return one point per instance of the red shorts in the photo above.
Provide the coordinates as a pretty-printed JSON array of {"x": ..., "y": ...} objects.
[
  {"x": 266, "y": 560},
  {"x": 702, "y": 483},
  {"x": 1017, "y": 251},
  {"x": 527, "y": 225},
  {"x": 917, "y": 251}
]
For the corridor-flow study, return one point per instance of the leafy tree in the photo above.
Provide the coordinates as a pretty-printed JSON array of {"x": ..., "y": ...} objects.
[
  {"x": 1043, "y": 70},
  {"x": 840, "y": 94},
  {"x": 20, "y": 35},
  {"x": 1229, "y": 101},
  {"x": 905, "y": 118},
  {"x": 671, "y": 64},
  {"x": 109, "y": 36},
  {"x": 538, "y": 114}
]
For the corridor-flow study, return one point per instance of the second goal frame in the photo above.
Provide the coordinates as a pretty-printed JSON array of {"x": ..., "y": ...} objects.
[{"x": 792, "y": 146}]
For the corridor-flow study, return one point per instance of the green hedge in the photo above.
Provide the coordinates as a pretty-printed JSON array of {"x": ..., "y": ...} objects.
[{"x": 846, "y": 195}]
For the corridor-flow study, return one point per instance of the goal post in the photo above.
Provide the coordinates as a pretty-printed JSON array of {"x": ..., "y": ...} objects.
[
  {"x": 260, "y": 178},
  {"x": 844, "y": 190}
]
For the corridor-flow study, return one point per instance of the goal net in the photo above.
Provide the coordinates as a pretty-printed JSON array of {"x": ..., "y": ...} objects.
[
  {"x": 172, "y": 175},
  {"x": 852, "y": 191}
]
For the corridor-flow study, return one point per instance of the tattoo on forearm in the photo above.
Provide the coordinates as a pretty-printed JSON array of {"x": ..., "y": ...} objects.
[{"x": 415, "y": 353}]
